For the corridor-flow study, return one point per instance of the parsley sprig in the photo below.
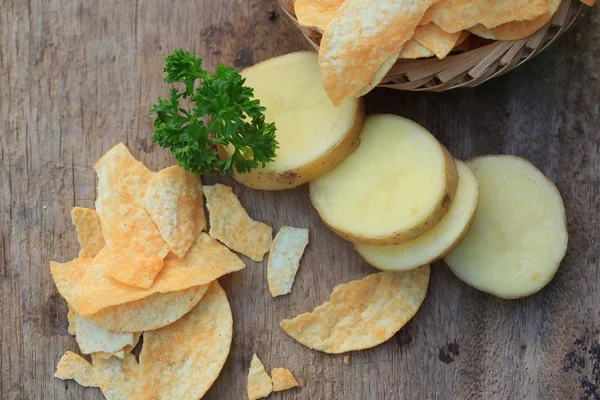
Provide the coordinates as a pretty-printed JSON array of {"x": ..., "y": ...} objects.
[{"x": 225, "y": 113}]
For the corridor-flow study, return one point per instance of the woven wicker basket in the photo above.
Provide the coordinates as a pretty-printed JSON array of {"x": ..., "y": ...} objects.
[{"x": 470, "y": 68}]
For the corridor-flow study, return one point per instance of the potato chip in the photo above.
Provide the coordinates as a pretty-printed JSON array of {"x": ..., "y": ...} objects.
[
  {"x": 363, "y": 313},
  {"x": 123, "y": 352},
  {"x": 284, "y": 259},
  {"x": 436, "y": 39},
  {"x": 174, "y": 201},
  {"x": 283, "y": 379},
  {"x": 230, "y": 224},
  {"x": 380, "y": 74},
  {"x": 588, "y": 2},
  {"x": 182, "y": 360},
  {"x": 117, "y": 378},
  {"x": 360, "y": 39},
  {"x": 91, "y": 338},
  {"x": 517, "y": 29},
  {"x": 259, "y": 382},
  {"x": 413, "y": 50},
  {"x": 134, "y": 241},
  {"x": 457, "y": 15},
  {"x": 71, "y": 318},
  {"x": 316, "y": 13},
  {"x": 206, "y": 261},
  {"x": 89, "y": 231},
  {"x": 152, "y": 312}
]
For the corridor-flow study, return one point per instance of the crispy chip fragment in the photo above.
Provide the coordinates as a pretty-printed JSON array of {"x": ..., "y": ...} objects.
[
  {"x": 133, "y": 239},
  {"x": 182, "y": 360},
  {"x": 436, "y": 39},
  {"x": 152, "y": 312},
  {"x": 259, "y": 382},
  {"x": 123, "y": 352},
  {"x": 284, "y": 259},
  {"x": 174, "y": 201},
  {"x": 283, "y": 379},
  {"x": 92, "y": 338},
  {"x": 230, "y": 224},
  {"x": 457, "y": 15},
  {"x": 117, "y": 378},
  {"x": 89, "y": 231},
  {"x": 316, "y": 13},
  {"x": 71, "y": 318},
  {"x": 363, "y": 313},
  {"x": 413, "y": 50},
  {"x": 206, "y": 261},
  {"x": 361, "y": 38}
]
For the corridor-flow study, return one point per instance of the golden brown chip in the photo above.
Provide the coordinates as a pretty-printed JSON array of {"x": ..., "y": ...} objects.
[
  {"x": 89, "y": 231},
  {"x": 316, "y": 13},
  {"x": 413, "y": 50},
  {"x": 283, "y": 379},
  {"x": 284, "y": 259},
  {"x": 259, "y": 382},
  {"x": 123, "y": 352},
  {"x": 363, "y": 313},
  {"x": 182, "y": 360},
  {"x": 457, "y": 15},
  {"x": 360, "y": 39},
  {"x": 206, "y": 261},
  {"x": 71, "y": 318},
  {"x": 517, "y": 29},
  {"x": 137, "y": 249},
  {"x": 174, "y": 200},
  {"x": 117, "y": 378},
  {"x": 230, "y": 224},
  {"x": 92, "y": 338},
  {"x": 436, "y": 39},
  {"x": 152, "y": 312}
]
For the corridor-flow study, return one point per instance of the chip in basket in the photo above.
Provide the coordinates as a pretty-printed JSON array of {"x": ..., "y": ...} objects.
[
  {"x": 316, "y": 13},
  {"x": 436, "y": 39}
]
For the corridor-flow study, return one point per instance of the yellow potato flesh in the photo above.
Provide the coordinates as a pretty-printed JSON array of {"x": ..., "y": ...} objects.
[
  {"x": 518, "y": 237},
  {"x": 308, "y": 125},
  {"x": 435, "y": 243},
  {"x": 392, "y": 183}
]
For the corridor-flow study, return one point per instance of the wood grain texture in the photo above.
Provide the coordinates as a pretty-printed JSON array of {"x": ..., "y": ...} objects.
[{"x": 77, "y": 77}]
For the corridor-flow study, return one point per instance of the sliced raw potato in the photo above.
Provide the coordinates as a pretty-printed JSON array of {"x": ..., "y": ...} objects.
[
  {"x": 413, "y": 50},
  {"x": 316, "y": 13},
  {"x": 92, "y": 338},
  {"x": 182, "y": 360},
  {"x": 519, "y": 235},
  {"x": 363, "y": 313},
  {"x": 174, "y": 201},
  {"x": 284, "y": 259},
  {"x": 259, "y": 382},
  {"x": 377, "y": 195},
  {"x": 137, "y": 249},
  {"x": 436, "y": 242},
  {"x": 283, "y": 379},
  {"x": 231, "y": 225},
  {"x": 313, "y": 135},
  {"x": 152, "y": 312},
  {"x": 360, "y": 39},
  {"x": 436, "y": 39},
  {"x": 516, "y": 30},
  {"x": 457, "y": 15},
  {"x": 117, "y": 378},
  {"x": 89, "y": 231}
]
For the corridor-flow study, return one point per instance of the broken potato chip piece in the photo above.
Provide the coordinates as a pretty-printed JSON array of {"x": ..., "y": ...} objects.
[
  {"x": 182, "y": 360},
  {"x": 121, "y": 353},
  {"x": 174, "y": 201},
  {"x": 413, "y": 50},
  {"x": 89, "y": 231},
  {"x": 259, "y": 382},
  {"x": 283, "y": 379},
  {"x": 363, "y": 313},
  {"x": 231, "y": 225},
  {"x": 436, "y": 39},
  {"x": 284, "y": 259},
  {"x": 316, "y": 13},
  {"x": 92, "y": 338}
]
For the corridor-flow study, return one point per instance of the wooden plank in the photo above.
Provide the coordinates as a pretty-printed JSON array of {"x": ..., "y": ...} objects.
[{"x": 77, "y": 77}]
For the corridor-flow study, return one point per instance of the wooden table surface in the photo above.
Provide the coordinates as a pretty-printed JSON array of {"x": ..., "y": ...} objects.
[{"x": 78, "y": 76}]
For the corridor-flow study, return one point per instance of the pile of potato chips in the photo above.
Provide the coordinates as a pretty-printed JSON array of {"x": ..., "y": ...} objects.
[
  {"x": 362, "y": 39},
  {"x": 146, "y": 268}
]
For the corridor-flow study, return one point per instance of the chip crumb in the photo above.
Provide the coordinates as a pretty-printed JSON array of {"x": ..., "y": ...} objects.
[
  {"x": 259, "y": 382},
  {"x": 347, "y": 359},
  {"x": 284, "y": 259},
  {"x": 283, "y": 379},
  {"x": 230, "y": 224}
]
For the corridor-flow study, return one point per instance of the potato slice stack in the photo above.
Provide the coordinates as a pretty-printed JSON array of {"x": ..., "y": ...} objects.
[
  {"x": 146, "y": 266},
  {"x": 362, "y": 39}
]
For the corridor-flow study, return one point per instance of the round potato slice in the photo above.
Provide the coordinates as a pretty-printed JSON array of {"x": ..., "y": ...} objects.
[
  {"x": 313, "y": 135},
  {"x": 396, "y": 186},
  {"x": 438, "y": 241},
  {"x": 519, "y": 234}
]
